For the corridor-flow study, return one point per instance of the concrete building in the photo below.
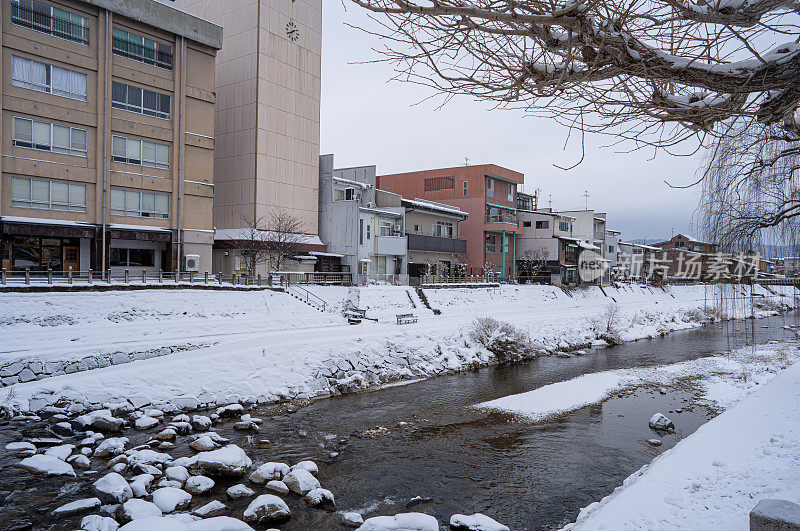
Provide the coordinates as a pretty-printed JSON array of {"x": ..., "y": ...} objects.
[
  {"x": 107, "y": 146},
  {"x": 682, "y": 241},
  {"x": 636, "y": 261},
  {"x": 488, "y": 193},
  {"x": 612, "y": 250},
  {"x": 268, "y": 89},
  {"x": 547, "y": 252},
  {"x": 589, "y": 228},
  {"x": 362, "y": 224},
  {"x": 434, "y": 245}
]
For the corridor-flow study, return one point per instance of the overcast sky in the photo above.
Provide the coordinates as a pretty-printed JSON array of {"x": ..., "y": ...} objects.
[{"x": 366, "y": 119}]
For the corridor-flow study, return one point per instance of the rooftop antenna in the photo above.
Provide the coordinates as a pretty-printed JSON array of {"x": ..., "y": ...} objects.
[
  {"x": 586, "y": 198},
  {"x": 550, "y": 201},
  {"x": 466, "y": 161}
]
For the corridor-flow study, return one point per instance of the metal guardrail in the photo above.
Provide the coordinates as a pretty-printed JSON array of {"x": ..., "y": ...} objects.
[{"x": 128, "y": 277}]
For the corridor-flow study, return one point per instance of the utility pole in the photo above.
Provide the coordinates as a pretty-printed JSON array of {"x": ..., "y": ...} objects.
[{"x": 586, "y": 198}]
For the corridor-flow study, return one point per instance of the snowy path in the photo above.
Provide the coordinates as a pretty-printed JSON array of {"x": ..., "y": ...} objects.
[{"x": 714, "y": 478}]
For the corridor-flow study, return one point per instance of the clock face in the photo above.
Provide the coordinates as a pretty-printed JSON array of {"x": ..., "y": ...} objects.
[{"x": 292, "y": 32}]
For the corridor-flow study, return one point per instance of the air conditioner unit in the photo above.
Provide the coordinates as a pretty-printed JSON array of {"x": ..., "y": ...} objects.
[
  {"x": 192, "y": 262},
  {"x": 370, "y": 205}
]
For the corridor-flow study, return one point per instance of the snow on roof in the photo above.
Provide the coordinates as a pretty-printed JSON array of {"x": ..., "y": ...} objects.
[
  {"x": 689, "y": 237},
  {"x": 146, "y": 228},
  {"x": 319, "y": 253},
  {"x": 263, "y": 235},
  {"x": 584, "y": 245},
  {"x": 305, "y": 257},
  {"x": 44, "y": 221},
  {"x": 641, "y": 246},
  {"x": 342, "y": 180},
  {"x": 432, "y": 205},
  {"x": 382, "y": 212}
]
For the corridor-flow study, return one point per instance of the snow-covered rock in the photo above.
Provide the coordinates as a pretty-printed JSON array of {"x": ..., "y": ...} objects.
[
  {"x": 475, "y": 522},
  {"x": 95, "y": 522},
  {"x": 267, "y": 508},
  {"x": 77, "y": 507},
  {"x": 219, "y": 523},
  {"x": 269, "y": 471},
  {"x": 401, "y": 522},
  {"x": 301, "y": 481},
  {"x": 47, "y": 465},
  {"x": 22, "y": 449},
  {"x": 308, "y": 466},
  {"x": 660, "y": 422},
  {"x": 79, "y": 461},
  {"x": 112, "y": 446},
  {"x": 214, "y": 508},
  {"x": 112, "y": 488},
  {"x": 203, "y": 444},
  {"x": 352, "y": 520},
  {"x": 278, "y": 486},
  {"x": 139, "y": 484},
  {"x": 186, "y": 518},
  {"x": 228, "y": 461},
  {"x": 319, "y": 496},
  {"x": 231, "y": 410},
  {"x": 60, "y": 452},
  {"x": 145, "y": 423},
  {"x": 153, "y": 523},
  {"x": 100, "y": 420},
  {"x": 236, "y": 492},
  {"x": 167, "y": 434},
  {"x": 177, "y": 473},
  {"x": 147, "y": 457},
  {"x": 134, "y": 509},
  {"x": 201, "y": 422},
  {"x": 198, "y": 484},
  {"x": 164, "y": 482},
  {"x": 170, "y": 499}
]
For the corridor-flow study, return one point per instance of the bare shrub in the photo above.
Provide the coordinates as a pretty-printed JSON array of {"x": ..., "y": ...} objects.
[
  {"x": 608, "y": 325},
  {"x": 503, "y": 340}
]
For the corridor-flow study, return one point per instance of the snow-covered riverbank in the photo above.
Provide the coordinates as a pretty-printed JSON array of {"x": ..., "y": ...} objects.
[
  {"x": 268, "y": 346},
  {"x": 714, "y": 478}
]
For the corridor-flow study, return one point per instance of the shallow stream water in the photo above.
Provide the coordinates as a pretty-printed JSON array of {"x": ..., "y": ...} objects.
[{"x": 378, "y": 450}]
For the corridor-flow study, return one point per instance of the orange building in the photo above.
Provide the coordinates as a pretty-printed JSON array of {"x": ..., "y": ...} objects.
[{"x": 488, "y": 193}]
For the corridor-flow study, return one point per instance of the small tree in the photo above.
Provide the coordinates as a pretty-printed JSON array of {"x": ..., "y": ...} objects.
[
  {"x": 533, "y": 261},
  {"x": 251, "y": 242},
  {"x": 285, "y": 236}
]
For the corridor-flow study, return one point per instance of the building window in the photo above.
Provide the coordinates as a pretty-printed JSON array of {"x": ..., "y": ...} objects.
[
  {"x": 140, "y": 152},
  {"x": 132, "y": 257},
  {"x": 466, "y": 188},
  {"x": 139, "y": 204},
  {"x": 698, "y": 248},
  {"x": 46, "y": 136},
  {"x": 526, "y": 223},
  {"x": 344, "y": 194},
  {"x": 41, "y": 77},
  {"x": 543, "y": 224},
  {"x": 433, "y": 184},
  {"x": 489, "y": 187},
  {"x": 385, "y": 228},
  {"x": 491, "y": 243},
  {"x": 443, "y": 229},
  {"x": 361, "y": 232},
  {"x": 511, "y": 190},
  {"x": 369, "y": 236},
  {"x": 610, "y": 248},
  {"x": 48, "y": 195},
  {"x": 139, "y": 100},
  {"x": 505, "y": 245},
  {"x": 142, "y": 49},
  {"x": 417, "y": 228},
  {"x": 563, "y": 226},
  {"x": 51, "y": 20},
  {"x": 637, "y": 251}
]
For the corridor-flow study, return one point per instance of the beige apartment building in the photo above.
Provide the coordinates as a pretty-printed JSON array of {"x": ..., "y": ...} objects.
[
  {"x": 268, "y": 116},
  {"x": 108, "y": 136}
]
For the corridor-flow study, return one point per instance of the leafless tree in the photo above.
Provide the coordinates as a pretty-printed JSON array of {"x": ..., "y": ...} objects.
[
  {"x": 285, "y": 236},
  {"x": 751, "y": 190},
  {"x": 532, "y": 262},
  {"x": 251, "y": 242},
  {"x": 654, "y": 71}
]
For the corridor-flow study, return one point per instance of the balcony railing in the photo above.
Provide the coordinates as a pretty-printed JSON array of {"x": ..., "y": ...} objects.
[
  {"x": 503, "y": 217},
  {"x": 46, "y": 23},
  {"x": 421, "y": 242}
]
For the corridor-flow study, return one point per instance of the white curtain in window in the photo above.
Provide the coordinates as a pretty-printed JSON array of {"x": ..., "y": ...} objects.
[
  {"x": 162, "y": 204},
  {"x": 132, "y": 202},
  {"x": 148, "y": 151},
  {"x": 162, "y": 155},
  {"x": 133, "y": 149},
  {"x": 28, "y": 74},
  {"x": 60, "y": 81},
  {"x": 77, "y": 195},
  {"x": 118, "y": 200},
  {"x": 78, "y": 142},
  {"x": 148, "y": 202},
  {"x": 78, "y": 85},
  {"x": 59, "y": 193},
  {"x": 41, "y": 134},
  {"x": 118, "y": 146},
  {"x": 61, "y": 142},
  {"x": 40, "y": 191},
  {"x": 21, "y": 189},
  {"x": 23, "y": 130}
]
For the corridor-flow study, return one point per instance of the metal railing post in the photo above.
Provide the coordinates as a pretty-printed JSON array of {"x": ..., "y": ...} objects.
[
  {"x": 49, "y": 276},
  {"x": 90, "y": 276},
  {"x": 160, "y": 276},
  {"x": 27, "y": 276},
  {"x": 177, "y": 276},
  {"x": 3, "y": 276},
  {"x": 144, "y": 276},
  {"x": 69, "y": 275},
  {"x": 109, "y": 275},
  {"x": 219, "y": 278},
  {"x": 127, "y": 277},
  {"x": 191, "y": 277},
  {"x": 205, "y": 277}
]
